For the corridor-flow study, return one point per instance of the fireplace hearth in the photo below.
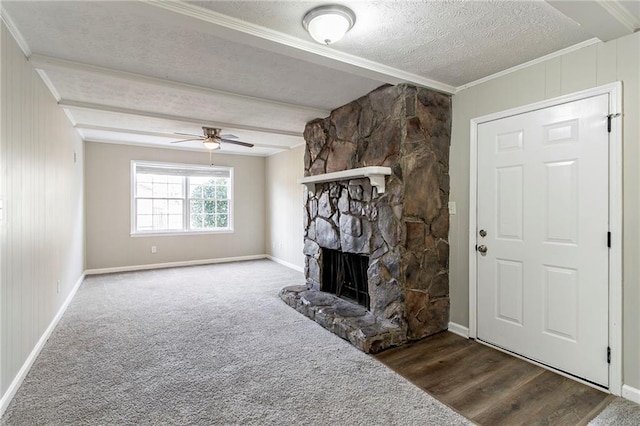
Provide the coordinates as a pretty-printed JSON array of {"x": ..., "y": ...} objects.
[{"x": 377, "y": 257}]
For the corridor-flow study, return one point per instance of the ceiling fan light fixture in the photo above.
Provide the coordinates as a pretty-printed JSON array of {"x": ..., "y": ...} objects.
[
  {"x": 211, "y": 144},
  {"x": 328, "y": 24}
]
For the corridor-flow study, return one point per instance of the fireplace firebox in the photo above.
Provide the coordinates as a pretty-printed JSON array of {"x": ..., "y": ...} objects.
[{"x": 345, "y": 275}]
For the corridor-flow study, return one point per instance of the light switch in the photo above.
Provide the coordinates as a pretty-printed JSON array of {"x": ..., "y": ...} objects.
[{"x": 452, "y": 207}]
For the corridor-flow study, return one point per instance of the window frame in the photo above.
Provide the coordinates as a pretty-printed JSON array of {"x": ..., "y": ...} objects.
[{"x": 134, "y": 232}]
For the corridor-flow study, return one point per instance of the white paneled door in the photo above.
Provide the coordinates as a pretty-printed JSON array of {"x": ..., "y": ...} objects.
[{"x": 542, "y": 224}]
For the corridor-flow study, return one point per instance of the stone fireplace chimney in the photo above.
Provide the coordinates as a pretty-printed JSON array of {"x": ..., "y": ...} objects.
[{"x": 399, "y": 235}]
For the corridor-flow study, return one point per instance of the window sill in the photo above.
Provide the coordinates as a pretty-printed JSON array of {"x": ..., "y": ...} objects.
[{"x": 178, "y": 233}]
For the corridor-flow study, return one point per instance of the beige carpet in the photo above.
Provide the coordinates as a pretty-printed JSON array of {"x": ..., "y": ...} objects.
[{"x": 208, "y": 345}]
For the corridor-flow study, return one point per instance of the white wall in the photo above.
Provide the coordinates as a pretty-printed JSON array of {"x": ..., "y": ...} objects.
[
  {"x": 108, "y": 207},
  {"x": 284, "y": 229},
  {"x": 586, "y": 68},
  {"x": 42, "y": 233}
]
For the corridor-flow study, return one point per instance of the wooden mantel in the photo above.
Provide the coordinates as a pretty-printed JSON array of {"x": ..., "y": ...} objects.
[{"x": 375, "y": 174}]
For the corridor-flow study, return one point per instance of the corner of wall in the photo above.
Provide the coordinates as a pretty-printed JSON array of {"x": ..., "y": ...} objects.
[{"x": 283, "y": 203}]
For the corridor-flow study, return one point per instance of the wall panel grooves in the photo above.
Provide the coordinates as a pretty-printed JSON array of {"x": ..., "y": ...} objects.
[
  {"x": 42, "y": 234},
  {"x": 592, "y": 66}
]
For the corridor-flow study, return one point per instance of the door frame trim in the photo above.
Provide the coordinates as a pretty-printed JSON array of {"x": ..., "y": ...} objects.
[{"x": 614, "y": 90}]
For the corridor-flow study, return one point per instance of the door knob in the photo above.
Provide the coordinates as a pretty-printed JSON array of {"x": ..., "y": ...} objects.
[{"x": 483, "y": 250}]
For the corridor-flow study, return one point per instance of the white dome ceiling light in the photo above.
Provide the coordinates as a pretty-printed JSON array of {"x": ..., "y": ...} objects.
[
  {"x": 328, "y": 24},
  {"x": 211, "y": 144}
]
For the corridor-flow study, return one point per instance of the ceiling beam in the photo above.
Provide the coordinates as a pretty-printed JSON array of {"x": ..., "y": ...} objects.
[
  {"x": 82, "y": 126},
  {"x": 605, "y": 19},
  {"x": 265, "y": 38},
  {"x": 69, "y": 104},
  {"x": 44, "y": 63},
  {"x": 186, "y": 148}
]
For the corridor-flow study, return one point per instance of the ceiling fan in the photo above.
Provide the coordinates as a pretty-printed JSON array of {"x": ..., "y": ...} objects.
[{"x": 212, "y": 138}]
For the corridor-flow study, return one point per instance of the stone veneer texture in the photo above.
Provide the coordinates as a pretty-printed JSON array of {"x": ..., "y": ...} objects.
[{"x": 404, "y": 231}]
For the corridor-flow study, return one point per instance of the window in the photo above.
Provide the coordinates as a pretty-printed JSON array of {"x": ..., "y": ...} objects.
[{"x": 180, "y": 198}]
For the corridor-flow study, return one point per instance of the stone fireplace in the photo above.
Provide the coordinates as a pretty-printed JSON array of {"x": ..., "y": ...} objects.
[{"x": 390, "y": 229}]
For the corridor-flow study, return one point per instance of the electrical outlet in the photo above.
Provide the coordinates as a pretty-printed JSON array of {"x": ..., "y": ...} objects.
[
  {"x": 154, "y": 249},
  {"x": 58, "y": 286},
  {"x": 452, "y": 207}
]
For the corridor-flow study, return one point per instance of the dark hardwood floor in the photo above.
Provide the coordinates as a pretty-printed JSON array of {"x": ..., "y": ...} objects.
[{"x": 490, "y": 387}]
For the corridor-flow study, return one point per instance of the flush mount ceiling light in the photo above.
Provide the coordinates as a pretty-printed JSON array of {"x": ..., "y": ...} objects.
[{"x": 328, "y": 24}]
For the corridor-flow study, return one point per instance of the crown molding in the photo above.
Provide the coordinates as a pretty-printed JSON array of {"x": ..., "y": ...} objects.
[
  {"x": 604, "y": 19},
  {"x": 70, "y": 104},
  {"x": 541, "y": 59},
  {"x": 621, "y": 13},
  {"x": 302, "y": 49},
  {"x": 47, "y": 82},
  {"x": 13, "y": 29},
  {"x": 44, "y": 63}
]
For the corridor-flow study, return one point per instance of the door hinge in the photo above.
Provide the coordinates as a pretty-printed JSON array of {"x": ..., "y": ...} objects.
[
  {"x": 609, "y": 239},
  {"x": 608, "y": 355},
  {"x": 609, "y": 118}
]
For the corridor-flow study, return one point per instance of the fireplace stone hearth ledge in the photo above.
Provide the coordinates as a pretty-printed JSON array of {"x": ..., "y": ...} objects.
[
  {"x": 403, "y": 231},
  {"x": 352, "y": 322}
]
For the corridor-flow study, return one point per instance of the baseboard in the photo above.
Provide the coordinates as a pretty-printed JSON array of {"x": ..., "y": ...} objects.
[
  {"x": 458, "y": 329},
  {"x": 285, "y": 263},
  {"x": 632, "y": 394},
  {"x": 24, "y": 370},
  {"x": 173, "y": 264}
]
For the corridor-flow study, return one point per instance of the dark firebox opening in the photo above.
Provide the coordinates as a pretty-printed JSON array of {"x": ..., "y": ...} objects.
[{"x": 345, "y": 275}]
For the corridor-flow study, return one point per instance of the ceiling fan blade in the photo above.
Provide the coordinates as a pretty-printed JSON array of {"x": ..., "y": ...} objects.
[
  {"x": 188, "y": 134},
  {"x": 228, "y": 137},
  {"x": 247, "y": 144},
  {"x": 186, "y": 140}
]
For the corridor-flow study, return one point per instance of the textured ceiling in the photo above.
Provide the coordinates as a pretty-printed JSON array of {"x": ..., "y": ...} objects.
[
  {"x": 200, "y": 105},
  {"x": 139, "y": 38},
  {"x": 138, "y": 71},
  {"x": 454, "y": 42}
]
